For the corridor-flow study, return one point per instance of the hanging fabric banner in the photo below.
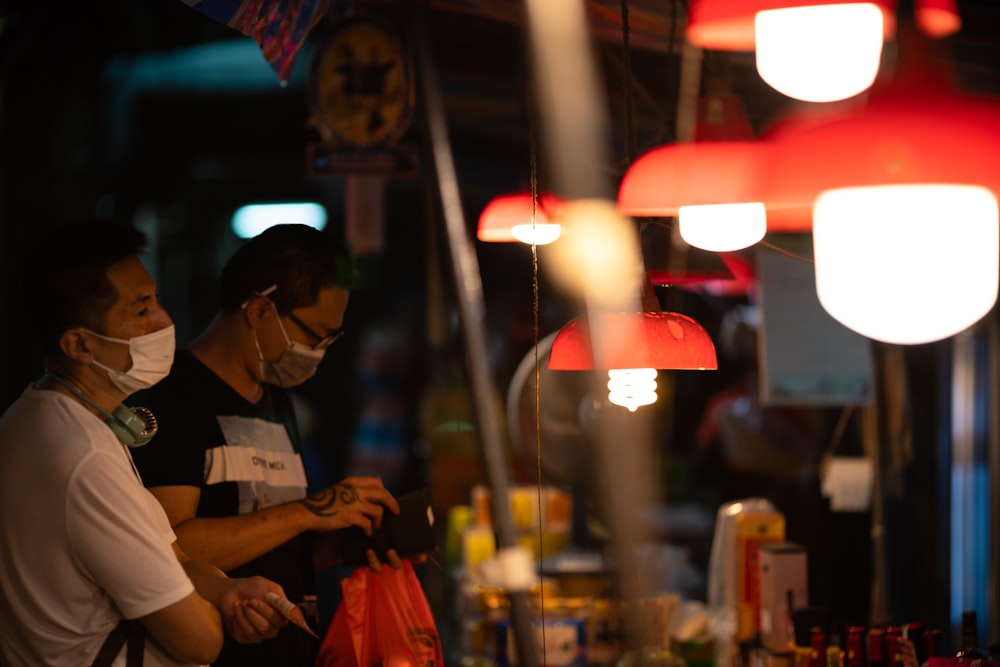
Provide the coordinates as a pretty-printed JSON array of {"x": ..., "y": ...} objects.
[{"x": 280, "y": 27}]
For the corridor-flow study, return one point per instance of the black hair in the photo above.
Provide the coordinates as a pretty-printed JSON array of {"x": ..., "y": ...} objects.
[
  {"x": 66, "y": 278},
  {"x": 298, "y": 259}
]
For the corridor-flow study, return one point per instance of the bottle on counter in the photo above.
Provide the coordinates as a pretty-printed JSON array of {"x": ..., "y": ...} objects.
[
  {"x": 969, "y": 653},
  {"x": 854, "y": 647},
  {"x": 817, "y": 656},
  {"x": 876, "y": 647}
]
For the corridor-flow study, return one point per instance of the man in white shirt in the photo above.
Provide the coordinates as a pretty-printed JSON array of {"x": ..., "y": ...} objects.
[{"x": 88, "y": 554}]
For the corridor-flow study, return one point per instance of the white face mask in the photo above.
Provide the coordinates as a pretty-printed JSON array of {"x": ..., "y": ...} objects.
[
  {"x": 296, "y": 364},
  {"x": 152, "y": 356}
]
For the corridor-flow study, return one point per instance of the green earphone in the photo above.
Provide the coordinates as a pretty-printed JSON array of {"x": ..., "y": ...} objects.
[{"x": 133, "y": 426}]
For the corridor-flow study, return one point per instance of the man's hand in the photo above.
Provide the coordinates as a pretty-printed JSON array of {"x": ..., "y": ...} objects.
[
  {"x": 246, "y": 615},
  {"x": 395, "y": 562},
  {"x": 356, "y": 501}
]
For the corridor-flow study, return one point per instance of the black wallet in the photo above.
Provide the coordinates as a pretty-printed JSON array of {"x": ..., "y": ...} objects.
[{"x": 410, "y": 533}]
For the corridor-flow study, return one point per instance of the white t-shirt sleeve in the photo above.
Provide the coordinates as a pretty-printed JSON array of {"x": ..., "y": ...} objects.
[{"x": 123, "y": 537}]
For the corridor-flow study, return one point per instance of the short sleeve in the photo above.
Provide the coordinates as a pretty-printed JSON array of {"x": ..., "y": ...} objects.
[{"x": 122, "y": 537}]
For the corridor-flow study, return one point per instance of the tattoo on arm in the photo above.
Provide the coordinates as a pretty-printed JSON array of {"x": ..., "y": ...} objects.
[{"x": 322, "y": 503}]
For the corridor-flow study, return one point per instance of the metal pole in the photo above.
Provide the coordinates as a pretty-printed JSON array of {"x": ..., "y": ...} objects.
[{"x": 469, "y": 294}]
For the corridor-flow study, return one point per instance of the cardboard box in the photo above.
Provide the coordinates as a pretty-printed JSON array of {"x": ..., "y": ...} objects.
[{"x": 783, "y": 577}]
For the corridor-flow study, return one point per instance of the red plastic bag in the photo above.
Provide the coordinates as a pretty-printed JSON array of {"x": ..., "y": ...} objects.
[{"x": 383, "y": 619}]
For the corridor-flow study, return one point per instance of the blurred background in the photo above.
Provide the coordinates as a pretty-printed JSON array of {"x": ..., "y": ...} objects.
[{"x": 150, "y": 112}]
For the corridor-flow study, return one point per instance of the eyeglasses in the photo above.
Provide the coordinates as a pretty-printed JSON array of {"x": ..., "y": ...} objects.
[{"x": 322, "y": 342}]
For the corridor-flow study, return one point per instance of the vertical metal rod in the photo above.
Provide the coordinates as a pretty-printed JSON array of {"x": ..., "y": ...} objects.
[
  {"x": 871, "y": 435},
  {"x": 469, "y": 294}
]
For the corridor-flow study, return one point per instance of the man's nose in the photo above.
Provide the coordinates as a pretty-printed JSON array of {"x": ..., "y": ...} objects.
[{"x": 161, "y": 318}]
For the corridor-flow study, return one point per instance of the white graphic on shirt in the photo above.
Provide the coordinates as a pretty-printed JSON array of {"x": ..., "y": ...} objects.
[{"x": 259, "y": 456}]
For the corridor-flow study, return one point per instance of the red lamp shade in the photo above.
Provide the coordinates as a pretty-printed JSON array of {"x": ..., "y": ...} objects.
[
  {"x": 790, "y": 211},
  {"x": 642, "y": 340},
  {"x": 915, "y": 129},
  {"x": 905, "y": 188},
  {"x": 728, "y": 25},
  {"x": 938, "y": 18},
  {"x": 812, "y": 50},
  {"x": 504, "y": 213},
  {"x": 667, "y": 177},
  {"x": 711, "y": 186}
]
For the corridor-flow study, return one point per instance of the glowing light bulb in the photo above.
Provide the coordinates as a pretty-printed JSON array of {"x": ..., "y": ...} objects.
[
  {"x": 723, "y": 227},
  {"x": 819, "y": 53},
  {"x": 907, "y": 264},
  {"x": 541, "y": 233},
  {"x": 632, "y": 387},
  {"x": 521, "y": 216}
]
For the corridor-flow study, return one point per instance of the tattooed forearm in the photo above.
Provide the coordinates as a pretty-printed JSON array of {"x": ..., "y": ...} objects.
[
  {"x": 347, "y": 493},
  {"x": 322, "y": 503}
]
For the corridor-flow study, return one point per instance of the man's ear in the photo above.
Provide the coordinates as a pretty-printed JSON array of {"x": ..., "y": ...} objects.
[
  {"x": 256, "y": 310},
  {"x": 75, "y": 346}
]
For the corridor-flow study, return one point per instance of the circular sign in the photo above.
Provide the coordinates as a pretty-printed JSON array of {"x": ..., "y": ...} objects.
[{"x": 359, "y": 86}]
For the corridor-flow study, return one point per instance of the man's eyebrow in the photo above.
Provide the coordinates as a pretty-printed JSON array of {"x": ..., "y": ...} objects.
[{"x": 142, "y": 299}]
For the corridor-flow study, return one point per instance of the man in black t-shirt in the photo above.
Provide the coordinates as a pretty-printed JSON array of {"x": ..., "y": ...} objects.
[{"x": 226, "y": 463}]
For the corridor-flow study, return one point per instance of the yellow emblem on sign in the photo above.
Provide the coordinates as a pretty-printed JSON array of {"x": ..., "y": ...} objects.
[{"x": 360, "y": 86}]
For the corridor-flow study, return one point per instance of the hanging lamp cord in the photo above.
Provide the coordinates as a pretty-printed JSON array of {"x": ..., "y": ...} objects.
[
  {"x": 630, "y": 150},
  {"x": 535, "y": 327}
]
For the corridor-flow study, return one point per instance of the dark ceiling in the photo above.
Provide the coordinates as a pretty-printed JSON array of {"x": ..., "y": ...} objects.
[
  {"x": 60, "y": 128},
  {"x": 72, "y": 142}
]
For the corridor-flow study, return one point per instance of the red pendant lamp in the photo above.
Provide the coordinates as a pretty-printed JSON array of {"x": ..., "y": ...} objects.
[
  {"x": 902, "y": 202},
  {"x": 813, "y": 50},
  {"x": 633, "y": 345},
  {"x": 643, "y": 340},
  {"x": 728, "y": 25},
  {"x": 521, "y": 217},
  {"x": 790, "y": 210},
  {"x": 710, "y": 184},
  {"x": 938, "y": 18}
]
